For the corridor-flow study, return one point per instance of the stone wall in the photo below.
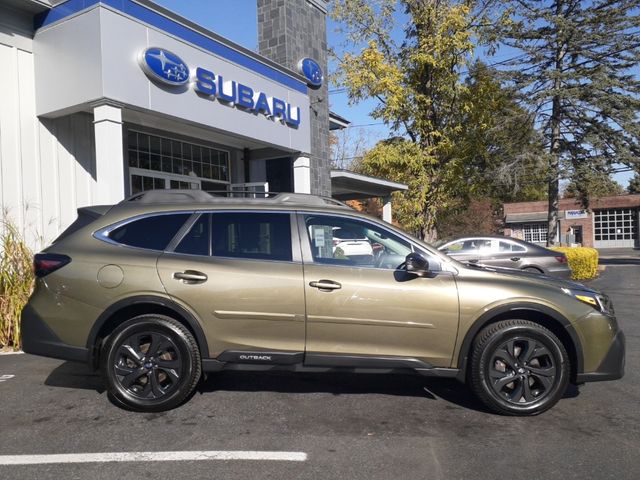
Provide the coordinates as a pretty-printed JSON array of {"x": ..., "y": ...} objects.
[{"x": 288, "y": 31}]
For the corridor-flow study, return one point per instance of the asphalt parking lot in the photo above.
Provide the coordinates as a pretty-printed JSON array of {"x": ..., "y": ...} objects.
[{"x": 323, "y": 426}]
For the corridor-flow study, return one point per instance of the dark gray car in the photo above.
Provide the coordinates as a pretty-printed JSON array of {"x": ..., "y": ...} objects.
[{"x": 508, "y": 252}]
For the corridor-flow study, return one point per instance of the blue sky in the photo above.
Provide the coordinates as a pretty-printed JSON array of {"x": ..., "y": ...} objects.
[{"x": 237, "y": 21}]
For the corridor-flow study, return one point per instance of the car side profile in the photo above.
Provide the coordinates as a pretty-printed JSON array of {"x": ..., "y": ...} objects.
[
  {"x": 508, "y": 252},
  {"x": 166, "y": 285}
]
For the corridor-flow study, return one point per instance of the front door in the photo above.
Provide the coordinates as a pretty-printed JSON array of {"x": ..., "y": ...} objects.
[
  {"x": 361, "y": 302},
  {"x": 238, "y": 272}
]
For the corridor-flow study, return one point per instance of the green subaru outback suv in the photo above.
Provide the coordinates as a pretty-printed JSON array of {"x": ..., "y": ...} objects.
[{"x": 169, "y": 284}]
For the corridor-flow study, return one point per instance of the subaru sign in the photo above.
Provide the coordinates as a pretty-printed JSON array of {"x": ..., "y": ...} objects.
[
  {"x": 164, "y": 66},
  {"x": 311, "y": 71}
]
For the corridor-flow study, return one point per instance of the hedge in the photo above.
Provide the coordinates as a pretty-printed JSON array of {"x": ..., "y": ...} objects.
[{"x": 583, "y": 261}]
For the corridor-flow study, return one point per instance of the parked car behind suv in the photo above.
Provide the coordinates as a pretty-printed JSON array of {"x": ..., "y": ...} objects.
[
  {"x": 509, "y": 253},
  {"x": 161, "y": 287}
]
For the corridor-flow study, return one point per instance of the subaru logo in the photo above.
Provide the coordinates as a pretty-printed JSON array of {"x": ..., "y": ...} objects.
[
  {"x": 164, "y": 66},
  {"x": 311, "y": 71}
]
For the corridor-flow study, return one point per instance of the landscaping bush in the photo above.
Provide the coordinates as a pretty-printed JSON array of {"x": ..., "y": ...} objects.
[
  {"x": 583, "y": 261},
  {"x": 16, "y": 282}
]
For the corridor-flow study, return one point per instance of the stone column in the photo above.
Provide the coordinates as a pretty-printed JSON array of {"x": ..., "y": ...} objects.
[
  {"x": 288, "y": 31},
  {"x": 110, "y": 181}
]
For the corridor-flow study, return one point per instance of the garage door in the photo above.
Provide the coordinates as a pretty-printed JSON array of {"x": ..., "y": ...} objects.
[{"x": 615, "y": 227}]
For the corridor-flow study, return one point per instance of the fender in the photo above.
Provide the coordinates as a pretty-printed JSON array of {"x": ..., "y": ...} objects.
[
  {"x": 193, "y": 322},
  {"x": 486, "y": 317}
]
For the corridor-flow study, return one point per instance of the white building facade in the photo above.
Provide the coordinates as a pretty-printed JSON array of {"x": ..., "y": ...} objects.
[{"x": 100, "y": 100}]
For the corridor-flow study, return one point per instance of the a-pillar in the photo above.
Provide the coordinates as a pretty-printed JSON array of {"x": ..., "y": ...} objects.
[
  {"x": 110, "y": 181},
  {"x": 302, "y": 175},
  {"x": 386, "y": 209}
]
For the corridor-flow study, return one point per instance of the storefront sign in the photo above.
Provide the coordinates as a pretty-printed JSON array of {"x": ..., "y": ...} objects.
[
  {"x": 311, "y": 71},
  {"x": 166, "y": 67},
  {"x": 574, "y": 214}
]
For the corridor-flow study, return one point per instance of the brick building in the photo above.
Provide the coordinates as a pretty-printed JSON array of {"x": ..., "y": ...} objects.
[{"x": 608, "y": 223}]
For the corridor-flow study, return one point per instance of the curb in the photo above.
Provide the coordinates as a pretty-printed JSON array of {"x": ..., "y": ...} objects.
[{"x": 19, "y": 352}]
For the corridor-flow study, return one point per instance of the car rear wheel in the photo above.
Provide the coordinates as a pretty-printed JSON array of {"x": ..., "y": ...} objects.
[
  {"x": 518, "y": 367},
  {"x": 151, "y": 363}
]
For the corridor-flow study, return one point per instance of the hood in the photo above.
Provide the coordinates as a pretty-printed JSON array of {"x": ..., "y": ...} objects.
[{"x": 534, "y": 277}]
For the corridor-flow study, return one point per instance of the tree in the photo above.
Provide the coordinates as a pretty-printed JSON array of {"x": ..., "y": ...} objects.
[
  {"x": 634, "y": 184},
  {"x": 573, "y": 68},
  {"x": 502, "y": 154},
  {"x": 418, "y": 89},
  {"x": 598, "y": 184}
]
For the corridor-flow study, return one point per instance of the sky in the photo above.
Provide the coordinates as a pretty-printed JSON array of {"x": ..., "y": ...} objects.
[{"x": 215, "y": 15}]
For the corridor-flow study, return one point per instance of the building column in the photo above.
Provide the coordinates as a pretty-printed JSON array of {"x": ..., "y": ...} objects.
[
  {"x": 386, "y": 209},
  {"x": 302, "y": 175},
  {"x": 110, "y": 181}
]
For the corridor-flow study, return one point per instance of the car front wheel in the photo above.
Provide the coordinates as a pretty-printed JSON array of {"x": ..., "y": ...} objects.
[
  {"x": 151, "y": 363},
  {"x": 518, "y": 367}
]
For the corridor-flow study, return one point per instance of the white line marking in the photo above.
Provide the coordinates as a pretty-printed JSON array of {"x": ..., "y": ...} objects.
[
  {"x": 4, "y": 378},
  {"x": 151, "y": 457}
]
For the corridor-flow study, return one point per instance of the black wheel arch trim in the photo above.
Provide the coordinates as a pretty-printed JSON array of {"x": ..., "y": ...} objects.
[
  {"x": 485, "y": 319},
  {"x": 167, "y": 303}
]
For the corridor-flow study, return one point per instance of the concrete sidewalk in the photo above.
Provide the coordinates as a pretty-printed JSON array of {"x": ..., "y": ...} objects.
[{"x": 619, "y": 256}]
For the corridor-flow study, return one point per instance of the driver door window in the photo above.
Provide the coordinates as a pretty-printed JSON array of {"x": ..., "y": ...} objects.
[{"x": 350, "y": 242}]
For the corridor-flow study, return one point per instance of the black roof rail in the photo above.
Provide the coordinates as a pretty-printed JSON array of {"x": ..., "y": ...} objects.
[{"x": 202, "y": 196}]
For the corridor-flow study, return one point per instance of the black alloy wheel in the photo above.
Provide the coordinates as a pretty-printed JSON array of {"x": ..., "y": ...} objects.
[
  {"x": 151, "y": 363},
  {"x": 518, "y": 367}
]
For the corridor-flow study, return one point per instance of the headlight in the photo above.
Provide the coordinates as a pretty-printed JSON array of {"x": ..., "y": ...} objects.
[{"x": 598, "y": 301}]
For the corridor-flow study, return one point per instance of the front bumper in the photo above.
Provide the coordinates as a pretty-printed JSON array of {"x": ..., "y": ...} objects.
[
  {"x": 612, "y": 366},
  {"x": 38, "y": 339}
]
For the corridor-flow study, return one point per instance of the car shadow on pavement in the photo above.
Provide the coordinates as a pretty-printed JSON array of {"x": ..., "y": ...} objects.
[
  {"x": 343, "y": 383},
  {"x": 75, "y": 375}
]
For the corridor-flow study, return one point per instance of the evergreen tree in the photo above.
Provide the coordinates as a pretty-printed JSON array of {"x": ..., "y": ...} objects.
[
  {"x": 634, "y": 184},
  {"x": 598, "y": 184},
  {"x": 573, "y": 65}
]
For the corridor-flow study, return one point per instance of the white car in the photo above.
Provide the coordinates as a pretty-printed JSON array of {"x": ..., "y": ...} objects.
[{"x": 351, "y": 244}]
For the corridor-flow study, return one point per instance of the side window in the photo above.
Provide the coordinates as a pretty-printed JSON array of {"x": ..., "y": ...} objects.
[
  {"x": 198, "y": 240},
  {"x": 153, "y": 232},
  {"x": 345, "y": 241},
  {"x": 258, "y": 235},
  {"x": 511, "y": 247}
]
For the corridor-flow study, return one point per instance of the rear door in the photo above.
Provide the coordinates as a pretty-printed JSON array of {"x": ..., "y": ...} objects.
[{"x": 238, "y": 272}]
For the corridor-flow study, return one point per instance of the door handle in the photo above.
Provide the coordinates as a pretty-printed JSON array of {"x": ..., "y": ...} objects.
[
  {"x": 191, "y": 276},
  {"x": 515, "y": 259},
  {"x": 325, "y": 285}
]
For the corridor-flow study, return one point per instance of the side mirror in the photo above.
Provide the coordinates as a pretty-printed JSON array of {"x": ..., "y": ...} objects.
[{"x": 417, "y": 264}]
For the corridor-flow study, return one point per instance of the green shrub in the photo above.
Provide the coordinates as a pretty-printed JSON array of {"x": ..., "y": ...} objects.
[
  {"x": 16, "y": 283},
  {"x": 583, "y": 261}
]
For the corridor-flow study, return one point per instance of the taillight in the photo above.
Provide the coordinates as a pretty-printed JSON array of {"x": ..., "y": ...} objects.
[
  {"x": 561, "y": 259},
  {"x": 45, "y": 263}
]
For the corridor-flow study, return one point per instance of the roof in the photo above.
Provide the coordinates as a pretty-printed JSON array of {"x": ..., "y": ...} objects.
[
  {"x": 347, "y": 185},
  {"x": 337, "y": 122},
  {"x": 529, "y": 217}
]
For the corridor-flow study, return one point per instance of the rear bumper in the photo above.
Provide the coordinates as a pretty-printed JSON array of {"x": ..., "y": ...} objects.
[
  {"x": 612, "y": 367},
  {"x": 38, "y": 339}
]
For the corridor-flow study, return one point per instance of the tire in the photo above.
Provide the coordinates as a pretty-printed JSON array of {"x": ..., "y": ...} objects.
[
  {"x": 533, "y": 270},
  {"x": 526, "y": 353},
  {"x": 155, "y": 383}
]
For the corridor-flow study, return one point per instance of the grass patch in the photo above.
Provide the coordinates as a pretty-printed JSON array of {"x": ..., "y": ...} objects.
[{"x": 16, "y": 283}]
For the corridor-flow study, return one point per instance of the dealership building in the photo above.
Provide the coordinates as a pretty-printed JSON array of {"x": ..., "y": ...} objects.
[
  {"x": 104, "y": 99},
  {"x": 610, "y": 222}
]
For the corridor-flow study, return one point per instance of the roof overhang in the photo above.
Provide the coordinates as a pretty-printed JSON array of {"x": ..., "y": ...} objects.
[
  {"x": 529, "y": 217},
  {"x": 346, "y": 185},
  {"x": 337, "y": 122}
]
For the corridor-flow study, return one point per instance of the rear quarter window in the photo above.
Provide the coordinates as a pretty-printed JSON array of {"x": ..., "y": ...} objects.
[{"x": 152, "y": 232}]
